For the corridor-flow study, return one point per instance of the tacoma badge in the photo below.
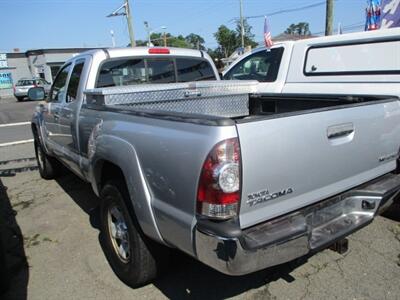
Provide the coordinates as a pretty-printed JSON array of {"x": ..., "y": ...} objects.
[{"x": 265, "y": 195}]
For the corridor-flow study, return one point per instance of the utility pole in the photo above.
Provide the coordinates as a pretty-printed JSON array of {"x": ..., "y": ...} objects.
[
  {"x": 165, "y": 39},
  {"x": 329, "y": 17},
  {"x": 129, "y": 21},
  {"x": 146, "y": 26},
  {"x": 241, "y": 22},
  {"x": 127, "y": 14}
]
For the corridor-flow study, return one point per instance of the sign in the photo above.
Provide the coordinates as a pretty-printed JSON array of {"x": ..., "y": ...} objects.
[
  {"x": 5, "y": 81},
  {"x": 390, "y": 13},
  {"x": 3, "y": 60}
]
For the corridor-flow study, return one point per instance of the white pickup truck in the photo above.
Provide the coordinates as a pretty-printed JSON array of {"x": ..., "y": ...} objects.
[{"x": 355, "y": 63}]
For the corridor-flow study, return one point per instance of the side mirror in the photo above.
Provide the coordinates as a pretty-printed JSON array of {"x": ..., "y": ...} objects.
[{"x": 36, "y": 93}]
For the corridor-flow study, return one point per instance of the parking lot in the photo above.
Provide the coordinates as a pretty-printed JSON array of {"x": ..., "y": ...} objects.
[{"x": 55, "y": 252}]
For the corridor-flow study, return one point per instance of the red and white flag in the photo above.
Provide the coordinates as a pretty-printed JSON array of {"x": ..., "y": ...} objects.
[{"x": 267, "y": 35}]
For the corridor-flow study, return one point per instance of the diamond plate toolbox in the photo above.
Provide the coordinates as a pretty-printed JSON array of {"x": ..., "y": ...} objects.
[{"x": 216, "y": 98}]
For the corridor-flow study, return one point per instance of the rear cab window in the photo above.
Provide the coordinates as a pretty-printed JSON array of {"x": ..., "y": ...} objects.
[
  {"x": 120, "y": 72},
  {"x": 161, "y": 70},
  {"x": 143, "y": 70},
  {"x": 194, "y": 70}
]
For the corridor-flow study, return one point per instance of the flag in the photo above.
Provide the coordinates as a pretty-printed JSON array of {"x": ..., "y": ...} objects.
[
  {"x": 267, "y": 35},
  {"x": 373, "y": 15}
]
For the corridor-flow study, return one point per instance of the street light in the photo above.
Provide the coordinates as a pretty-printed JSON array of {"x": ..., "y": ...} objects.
[{"x": 150, "y": 31}]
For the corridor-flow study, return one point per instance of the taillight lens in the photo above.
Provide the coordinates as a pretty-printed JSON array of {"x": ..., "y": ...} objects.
[
  {"x": 218, "y": 194},
  {"x": 158, "y": 51}
]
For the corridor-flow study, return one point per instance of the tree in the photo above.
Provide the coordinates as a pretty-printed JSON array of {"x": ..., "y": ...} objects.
[
  {"x": 178, "y": 42},
  {"x": 302, "y": 29},
  {"x": 195, "y": 41},
  {"x": 248, "y": 35},
  {"x": 291, "y": 29},
  {"x": 227, "y": 40},
  {"x": 157, "y": 39}
]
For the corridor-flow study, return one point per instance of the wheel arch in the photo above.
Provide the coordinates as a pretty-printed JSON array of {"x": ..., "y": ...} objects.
[{"x": 117, "y": 158}]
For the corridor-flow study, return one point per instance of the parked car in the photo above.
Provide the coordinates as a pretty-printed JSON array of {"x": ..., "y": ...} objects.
[
  {"x": 318, "y": 65},
  {"x": 237, "y": 179},
  {"x": 24, "y": 84}
]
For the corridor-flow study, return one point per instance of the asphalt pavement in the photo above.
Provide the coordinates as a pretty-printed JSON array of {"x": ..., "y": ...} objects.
[
  {"x": 12, "y": 111},
  {"x": 55, "y": 251},
  {"x": 16, "y": 141}
]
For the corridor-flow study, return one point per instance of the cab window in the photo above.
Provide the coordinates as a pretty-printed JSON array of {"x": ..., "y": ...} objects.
[
  {"x": 59, "y": 89},
  {"x": 161, "y": 70},
  {"x": 74, "y": 80},
  {"x": 121, "y": 72},
  {"x": 262, "y": 66},
  {"x": 190, "y": 69}
]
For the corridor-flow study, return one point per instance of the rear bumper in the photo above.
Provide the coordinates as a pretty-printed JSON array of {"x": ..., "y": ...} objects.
[
  {"x": 295, "y": 234},
  {"x": 20, "y": 94}
]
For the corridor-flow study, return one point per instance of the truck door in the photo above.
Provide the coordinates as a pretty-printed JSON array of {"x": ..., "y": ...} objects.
[
  {"x": 69, "y": 111},
  {"x": 51, "y": 115}
]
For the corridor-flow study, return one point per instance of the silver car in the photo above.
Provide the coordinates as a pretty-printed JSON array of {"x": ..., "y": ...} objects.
[{"x": 24, "y": 84}]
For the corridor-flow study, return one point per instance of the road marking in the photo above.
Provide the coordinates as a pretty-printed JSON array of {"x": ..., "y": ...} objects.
[
  {"x": 5, "y": 162},
  {"x": 14, "y": 124},
  {"x": 16, "y": 143}
]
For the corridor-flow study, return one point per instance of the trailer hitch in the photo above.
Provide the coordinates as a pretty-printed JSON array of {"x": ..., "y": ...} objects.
[{"x": 340, "y": 246}]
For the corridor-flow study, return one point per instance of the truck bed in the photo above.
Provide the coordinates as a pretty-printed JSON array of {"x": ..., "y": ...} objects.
[{"x": 217, "y": 101}]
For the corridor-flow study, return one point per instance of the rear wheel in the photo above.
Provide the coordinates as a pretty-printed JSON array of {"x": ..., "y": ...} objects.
[
  {"x": 19, "y": 99},
  {"x": 132, "y": 256},
  {"x": 47, "y": 165}
]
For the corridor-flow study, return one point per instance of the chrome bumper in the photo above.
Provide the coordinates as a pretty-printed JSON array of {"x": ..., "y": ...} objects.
[{"x": 295, "y": 234}]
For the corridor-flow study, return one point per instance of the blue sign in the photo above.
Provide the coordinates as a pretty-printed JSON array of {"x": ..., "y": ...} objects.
[
  {"x": 6, "y": 81},
  {"x": 390, "y": 14}
]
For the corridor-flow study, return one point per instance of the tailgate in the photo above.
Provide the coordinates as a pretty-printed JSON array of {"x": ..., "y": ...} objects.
[{"x": 294, "y": 161}]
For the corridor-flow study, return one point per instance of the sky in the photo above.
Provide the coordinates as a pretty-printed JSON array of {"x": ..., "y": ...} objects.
[{"x": 36, "y": 24}]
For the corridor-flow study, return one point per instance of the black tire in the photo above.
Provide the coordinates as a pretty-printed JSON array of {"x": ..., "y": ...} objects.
[
  {"x": 144, "y": 259},
  {"x": 48, "y": 166},
  {"x": 19, "y": 99}
]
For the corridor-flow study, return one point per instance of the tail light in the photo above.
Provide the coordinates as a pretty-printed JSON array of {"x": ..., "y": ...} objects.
[
  {"x": 218, "y": 194},
  {"x": 14, "y": 88}
]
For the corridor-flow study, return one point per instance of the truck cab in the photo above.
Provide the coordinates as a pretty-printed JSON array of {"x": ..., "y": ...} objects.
[{"x": 357, "y": 63}]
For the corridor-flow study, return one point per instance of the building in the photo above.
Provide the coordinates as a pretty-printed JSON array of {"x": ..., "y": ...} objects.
[{"x": 42, "y": 63}]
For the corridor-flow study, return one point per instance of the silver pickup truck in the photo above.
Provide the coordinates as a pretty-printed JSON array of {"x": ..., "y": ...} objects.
[{"x": 239, "y": 180}]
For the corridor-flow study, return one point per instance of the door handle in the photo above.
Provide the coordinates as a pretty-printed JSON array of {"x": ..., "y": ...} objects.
[{"x": 340, "y": 130}]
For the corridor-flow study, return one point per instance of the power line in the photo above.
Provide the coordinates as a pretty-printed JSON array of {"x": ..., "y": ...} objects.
[{"x": 284, "y": 11}]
